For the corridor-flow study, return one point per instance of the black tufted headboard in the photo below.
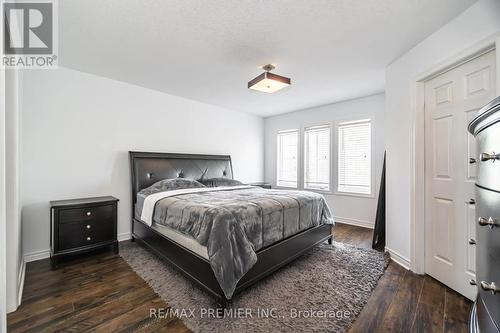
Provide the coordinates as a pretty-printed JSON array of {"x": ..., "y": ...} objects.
[{"x": 148, "y": 168}]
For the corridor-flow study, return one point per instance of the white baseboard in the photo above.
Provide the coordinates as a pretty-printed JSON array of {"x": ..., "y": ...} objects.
[
  {"x": 20, "y": 283},
  {"x": 44, "y": 254},
  {"x": 20, "y": 287},
  {"x": 11, "y": 309},
  {"x": 37, "y": 255},
  {"x": 398, "y": 258},
  {"x": 356, "y": 222},
  {"x": 125, "y": 236}
]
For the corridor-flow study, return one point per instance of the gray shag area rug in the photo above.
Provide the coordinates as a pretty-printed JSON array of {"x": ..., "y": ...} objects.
[{"x": 322, "y": 291}]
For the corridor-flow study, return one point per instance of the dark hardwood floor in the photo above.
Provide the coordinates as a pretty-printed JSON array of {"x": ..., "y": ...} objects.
[
  {"x": 101, "y": 293},
  {"x": 403, "y": 301}
]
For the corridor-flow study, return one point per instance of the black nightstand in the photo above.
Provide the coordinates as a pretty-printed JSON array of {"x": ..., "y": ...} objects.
[
  {"x": 262, "y": 184},
  {"x": 82, "y": 225}
]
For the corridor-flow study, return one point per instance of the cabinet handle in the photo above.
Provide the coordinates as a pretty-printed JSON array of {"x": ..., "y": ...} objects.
[
  {"x": 89, "y": 213},
  {"x": 472, "y": 282},
  {"x": 490, "y": 287},
  {"x": 472, "y": 241},
  {"x": 471, "y": 202},
  {"x": 486, "y": 157},
  {"x": 483, "y": 221},
  {"x": 88, "y": 226},
  {"x": 472, "y": 160},
  {"x": 88, "y": 238}
]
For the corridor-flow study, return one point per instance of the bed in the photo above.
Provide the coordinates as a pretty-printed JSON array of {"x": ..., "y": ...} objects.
[{"x": 247, "y": 256}]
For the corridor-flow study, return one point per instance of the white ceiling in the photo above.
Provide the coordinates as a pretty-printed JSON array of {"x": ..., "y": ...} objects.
[{"x": 207, "y": 50}]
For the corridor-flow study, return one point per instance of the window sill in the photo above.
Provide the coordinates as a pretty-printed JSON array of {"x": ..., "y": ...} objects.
[
  {"x": 330, "y": 192},
  {"x": 279, "y": 187},
  {"x": 358, "y": 195}
]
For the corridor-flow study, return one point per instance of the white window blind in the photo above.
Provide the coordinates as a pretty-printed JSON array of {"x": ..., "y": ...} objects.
[
  {"x": 287, "y": 158},
  {"x": 354, "y": 157},
  {"x": 317, "y": 158}
]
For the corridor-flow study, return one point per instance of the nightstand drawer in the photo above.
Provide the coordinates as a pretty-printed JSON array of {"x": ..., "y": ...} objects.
[
  {"x": 82, "y": 233},
  {"x": 86, "y": 214}
]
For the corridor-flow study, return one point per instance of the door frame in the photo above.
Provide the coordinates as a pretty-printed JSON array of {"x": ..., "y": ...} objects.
[
  {"x": 417, "y": 141},
  {"x": 3, "y": 222}
]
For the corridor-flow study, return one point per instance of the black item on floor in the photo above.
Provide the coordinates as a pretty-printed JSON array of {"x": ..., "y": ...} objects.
[{"x": 379, "y": 230}]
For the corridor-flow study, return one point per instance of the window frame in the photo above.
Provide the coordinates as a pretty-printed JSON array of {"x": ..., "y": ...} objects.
[
  {"x": 298, "y": 132},
  {"x": 331, "y": 152},
  {"x": 358, "y": 119}
]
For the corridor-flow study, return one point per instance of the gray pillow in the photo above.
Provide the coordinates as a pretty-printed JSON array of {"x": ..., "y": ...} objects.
[
  {"x": 215, "y": 182},
  {"x": 170, "y": 185}
]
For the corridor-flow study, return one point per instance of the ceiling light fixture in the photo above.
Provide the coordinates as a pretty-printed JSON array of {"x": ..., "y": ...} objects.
[{"x": 268, "y": 82}]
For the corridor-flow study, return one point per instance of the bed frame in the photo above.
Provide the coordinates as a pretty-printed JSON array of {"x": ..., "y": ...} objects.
[{"x": 147, "y": 168}]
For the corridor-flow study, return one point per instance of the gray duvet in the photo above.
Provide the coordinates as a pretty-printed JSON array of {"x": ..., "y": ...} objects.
[{"x": 234, "y": 224}]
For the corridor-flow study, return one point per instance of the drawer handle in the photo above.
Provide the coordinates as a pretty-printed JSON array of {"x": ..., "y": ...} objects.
[
  {"x": 472, "y": 241},
  {"x": 472, "y": 282},
  {"x": 471, "y": 202},
  {"x": 89, "y": 213},
  {"x": 486, "y": 157},
  {"x": 88, "y": 238},
  {"x": 483, "y": 221},
  {"x": 472, "y": 160},
  {"x": 88, "y": 226},
  {"x": 490, "y": 287}
]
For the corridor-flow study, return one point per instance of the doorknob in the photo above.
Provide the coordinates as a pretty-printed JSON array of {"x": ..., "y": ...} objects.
[
  {"x": 472, "y": 160},
  {"x": 483, "y": 221},
  {"x": 471, "y": 201},
  {"x": 472, "y": 282},
  {"x": 486, "y": 157},
  {"x": 490, "y": 287},
  {"x": 472, "y": 241}
]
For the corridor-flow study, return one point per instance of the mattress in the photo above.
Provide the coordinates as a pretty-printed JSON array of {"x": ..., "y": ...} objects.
[{"x": 188, "y": 242}]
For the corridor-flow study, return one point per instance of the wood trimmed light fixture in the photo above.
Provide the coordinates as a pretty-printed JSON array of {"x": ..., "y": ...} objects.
[{"x": 268, "y": 82}]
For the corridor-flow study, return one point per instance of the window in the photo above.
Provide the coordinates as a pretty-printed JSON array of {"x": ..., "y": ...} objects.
[
  {"x": 354, "y": 157},
  {"x": 317, "y": 158},
  {"x": 287, "y": 158}
]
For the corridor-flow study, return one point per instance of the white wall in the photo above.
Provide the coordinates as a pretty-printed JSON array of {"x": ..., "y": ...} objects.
[
  {"x": 476, "y": 23},
  {"x": 78, "y": 129},
  {"x": 345, "y": 208}
]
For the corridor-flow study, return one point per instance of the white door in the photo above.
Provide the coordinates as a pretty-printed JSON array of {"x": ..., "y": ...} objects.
[{"x": 451, "y": 100}]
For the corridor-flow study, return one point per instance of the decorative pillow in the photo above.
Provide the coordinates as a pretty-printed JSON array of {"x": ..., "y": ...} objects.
[
  {"x": 170, "y": 185},
  {"x": 215, "y": 182}
]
